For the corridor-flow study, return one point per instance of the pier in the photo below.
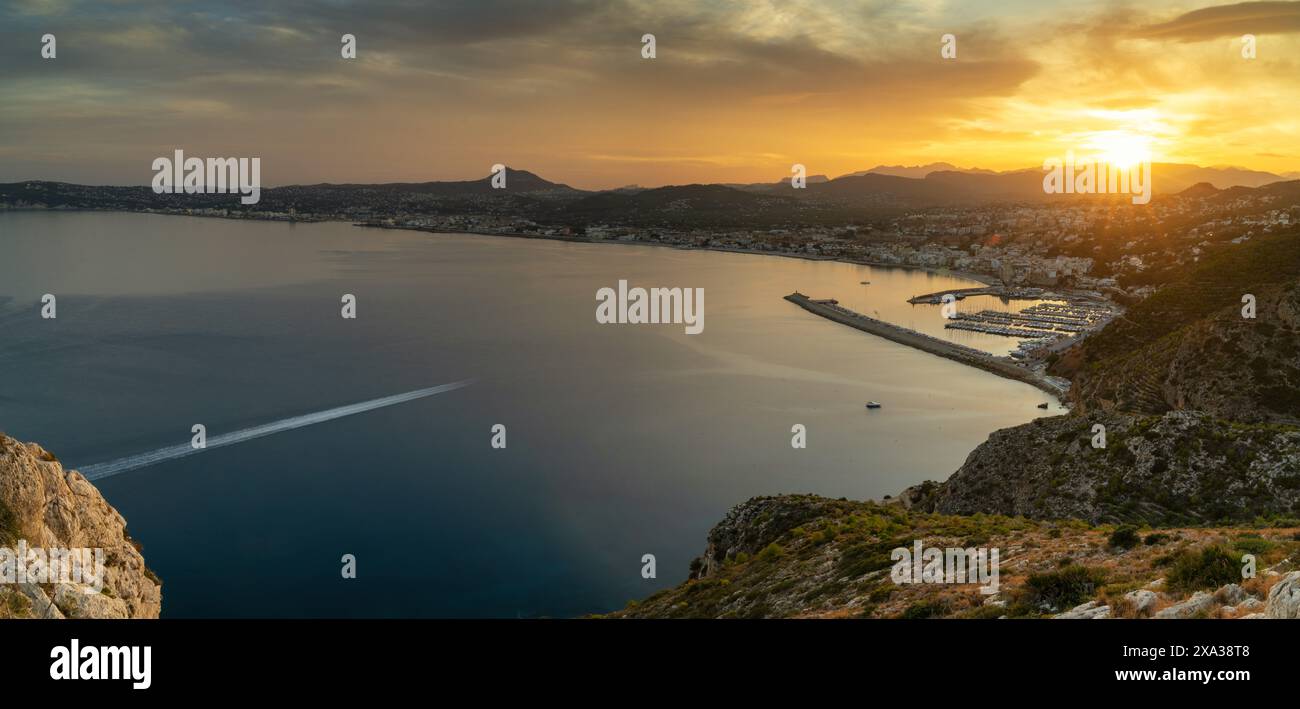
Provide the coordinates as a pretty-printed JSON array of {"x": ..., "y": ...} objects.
[
  {"x": 1002, "y": 366},
  {"x": 936, "y": 298}
]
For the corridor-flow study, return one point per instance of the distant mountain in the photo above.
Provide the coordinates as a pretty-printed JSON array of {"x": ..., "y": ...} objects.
[
  {"x": 944, "y": 187},
  {"x": 1169, "y": 178},
  {"x": 767, "y": 186},
  {"x": 528, "y": 195},
  {"x": 699, "y": 204},
  {"x": 516, "y": 181},
  {"x": 935, "y": 189},
  {"x": 918, "y": 171},
  {"x": 1200, "y": 189}
]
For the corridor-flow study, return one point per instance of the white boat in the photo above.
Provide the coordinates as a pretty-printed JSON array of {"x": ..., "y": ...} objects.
[{"x": 873, "y": 404}]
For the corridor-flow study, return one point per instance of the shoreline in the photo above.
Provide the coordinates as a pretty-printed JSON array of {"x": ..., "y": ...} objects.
[
  {"x": 1000, "y": 366},
  {"x": 925, "y": 343},
  {"x": 988, "y": 281}
]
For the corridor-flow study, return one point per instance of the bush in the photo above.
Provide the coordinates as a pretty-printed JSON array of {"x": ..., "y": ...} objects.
[
  {"x": 771, "y": 552},
  {"x": 923, "y": 609},
  {"x": 984, "y": 612},
  {"x": 867, "y": 557},
  {"x": 1064, "y": 588},
  {"x": 1125, "y": 536},
  {"x": 1154, "y": 539},
  {"x": 8, "y": 525},
  {"x": 1253, "y": 546},
  {"x": 1209, "y": 568}
]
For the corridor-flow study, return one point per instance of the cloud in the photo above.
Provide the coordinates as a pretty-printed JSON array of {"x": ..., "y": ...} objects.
[
  {"x": 442, "y": 89},
  {"x": 1228, "y": 21}
]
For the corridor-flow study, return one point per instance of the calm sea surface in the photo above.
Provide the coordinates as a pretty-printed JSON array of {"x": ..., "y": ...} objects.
[{"x": 622, "y": 440}]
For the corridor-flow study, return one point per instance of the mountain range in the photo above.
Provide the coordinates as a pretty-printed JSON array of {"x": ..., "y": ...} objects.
[
  {"x": 935, "y": 184},
  {"x": 528, "y": 195}
]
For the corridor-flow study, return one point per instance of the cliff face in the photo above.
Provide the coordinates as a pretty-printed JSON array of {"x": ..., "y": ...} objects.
[
  {"x": 1200, "y": 405},
  {"x": 44, "y": 506},
  {"x": 1177, "y": 468}
]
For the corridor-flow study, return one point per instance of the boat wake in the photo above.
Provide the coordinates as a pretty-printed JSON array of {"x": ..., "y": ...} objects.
[{"x": 100, "y": 471}]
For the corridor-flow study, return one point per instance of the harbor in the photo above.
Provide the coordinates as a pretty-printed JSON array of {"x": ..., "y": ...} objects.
[
  {"x": 1037, "y": 324},
  {"x": 1030, "y": 373}
]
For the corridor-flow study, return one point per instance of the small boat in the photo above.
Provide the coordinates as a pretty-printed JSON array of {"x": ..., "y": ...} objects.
[
  {"x": 873, "y": 404},
  {"x": 864, "y": 283},
  {"x": 1043, "y": 405}
]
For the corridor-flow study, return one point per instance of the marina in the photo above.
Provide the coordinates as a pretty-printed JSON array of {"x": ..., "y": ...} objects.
[
  {"x": 1044, "y": 321},
  {"x": 1010, "y": 367}
]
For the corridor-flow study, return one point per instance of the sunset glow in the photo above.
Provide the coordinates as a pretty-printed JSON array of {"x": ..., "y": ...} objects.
[{"x": 738, "y": 93}]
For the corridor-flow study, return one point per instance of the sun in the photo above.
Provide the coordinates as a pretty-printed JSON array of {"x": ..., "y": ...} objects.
[{"x": 1121, "y": 148}]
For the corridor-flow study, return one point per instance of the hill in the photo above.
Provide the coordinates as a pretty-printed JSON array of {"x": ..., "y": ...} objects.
[
  {"x": 1189, "y": 347},
  {"x": 802, "y": 556}
]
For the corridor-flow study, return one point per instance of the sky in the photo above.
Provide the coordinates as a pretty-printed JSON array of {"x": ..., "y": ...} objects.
[{"x": 738, "y": 90}]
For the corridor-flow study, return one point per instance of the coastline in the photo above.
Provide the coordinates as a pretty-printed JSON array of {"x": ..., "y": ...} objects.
[
  {"x": 967, "y": 275},
  {"x": 958, "y": 353},
  {"x": 987, "y": 280}
]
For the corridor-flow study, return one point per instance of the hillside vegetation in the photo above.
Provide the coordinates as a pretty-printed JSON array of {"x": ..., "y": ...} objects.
[
  {"x": 802, "y": 556},
  {"x": 1198, "y": 407}
]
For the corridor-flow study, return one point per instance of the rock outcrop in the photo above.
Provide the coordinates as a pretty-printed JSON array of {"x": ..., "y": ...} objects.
[
  {"x": 1177, "y": 468},
  {"x": 43, "y": 506},
  {"x": 1284, "y": 598}
]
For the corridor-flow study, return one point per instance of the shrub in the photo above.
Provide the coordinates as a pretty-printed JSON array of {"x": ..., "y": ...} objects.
[
  {"x": 1210, "y": 567},
  {"x": 771, "y": 552},
  {"x": 1253, "y": 546},
  {"x": 881, "y": 593},
  {"x": 984, "y": 612},
  {"x": 1064, "y": 588},
  {"x": 1154, "y": 539},
  {"x": 923, "y": 609},
  {"x": 8, "y": 525},
  {"x": 1125, "y": 536},
  {"x": 867, "y": 557}
]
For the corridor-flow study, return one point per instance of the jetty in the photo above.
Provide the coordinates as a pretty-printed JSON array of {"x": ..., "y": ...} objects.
[
  {"x": 1002, "y": 366},
  {"x": 1006, "y": 293}
]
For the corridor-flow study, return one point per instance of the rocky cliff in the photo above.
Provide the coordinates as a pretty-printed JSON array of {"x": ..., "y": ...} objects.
[
  {"x": 43, "y": 506},
  {"x": 1197, "y": 389},
  {"x": 1176, "y": 468},
  {"x": 801, "y": 556},
  {"x": 1220, "y": 338}
]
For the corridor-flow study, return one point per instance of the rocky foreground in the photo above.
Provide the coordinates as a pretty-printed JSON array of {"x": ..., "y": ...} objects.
[
  {"x": 801, "y": 556},
  {"x": 43, "y": 505}
]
